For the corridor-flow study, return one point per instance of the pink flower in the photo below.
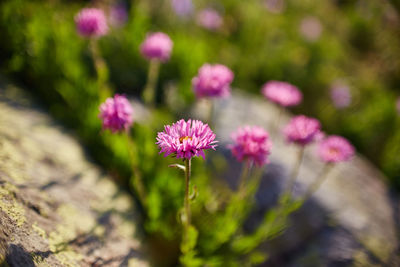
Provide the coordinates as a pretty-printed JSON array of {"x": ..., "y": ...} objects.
[
  {"x": 182, "y": 8},
  {"x": 302, "y": 130},
  {"x": 251, "y": 143},
  {"x": 335, "y": 149},
  {"x": 209, "y": 18},
  {"x": 116, "y": 113},
  {"x": 310, "y": 28},
  {"x": 341, "y": 96},
  {"x": 275, "y": 6},
  {"x": 91, "y": 22},
  {"x": 157, "y": 46},
  {"x": 186, "y": 139},
  {"x": 282, "y": 93},
  {"x": 118, "y": 15},
  {"x": 213, "y": 81},
  {"x": 398, "y": 105}
]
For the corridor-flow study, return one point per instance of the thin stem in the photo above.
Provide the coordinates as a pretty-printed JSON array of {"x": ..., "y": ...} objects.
[
  {"x": 101, "y": 69},
  {"x": 152, "y": 76},
  {"x": 285, "y": 198},
  {"x": 295, "y": 171},
  {"x": 137, "y": 177},
  {"x": 187, "y": 183},
  {"x": 256, "y": 180},
  {"x": 320, "y": 179},
  {"x": 278, "y": 120},
  {"x": 210, "y": 112},
  {"x": 246, "y": 167}
]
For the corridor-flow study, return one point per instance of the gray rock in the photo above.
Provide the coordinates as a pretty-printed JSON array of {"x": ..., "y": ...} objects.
[{"x": 56, "y": 207}]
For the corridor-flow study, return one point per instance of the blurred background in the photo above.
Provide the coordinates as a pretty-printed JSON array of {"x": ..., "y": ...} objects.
[{"x": 343, "y": 55}]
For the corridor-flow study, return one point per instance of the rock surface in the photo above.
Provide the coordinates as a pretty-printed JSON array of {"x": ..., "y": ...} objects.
[
  {"x": 56, "y": 207},
  {"x": 351, "y": 220}
]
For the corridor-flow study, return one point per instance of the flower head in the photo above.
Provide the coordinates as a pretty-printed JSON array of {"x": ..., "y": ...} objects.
[
  {"x": 118, "y": 15},
  {"x": 275, "y": 6},
  {"x": 341, "y": 96},
  {"x": 251, "y": 143},
  {"x": 182, "y": 8},
  {"x": 302, "y": 130},
  {"x": 91, "y": 22},
  {"x": 209, "y": 18},
  {"x": 310, "y": 28},
  {"x": 213, "y": 81},
  {"x": 157, "y": 46},
  {"x": 282, "y": 93},
  {"x": 335, "y": 149},
  {"x": 398, "y": 105},
  {"x": 186, "y": 139},
  {"x": 116, "y": 113}
]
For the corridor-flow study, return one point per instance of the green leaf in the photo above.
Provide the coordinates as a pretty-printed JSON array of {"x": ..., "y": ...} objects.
[{"x": 189, "y": 239}]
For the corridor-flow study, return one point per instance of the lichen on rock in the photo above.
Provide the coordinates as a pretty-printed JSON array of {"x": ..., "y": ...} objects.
[{"x": 56, "y": 207}]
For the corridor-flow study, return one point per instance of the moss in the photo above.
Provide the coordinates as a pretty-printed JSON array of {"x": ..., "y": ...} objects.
[
  {"x": 3, "y": 260},
  {"x": 13, "y": 162},
  {"x": 136, "y": 262},
  {"x": 9, "y": 204},
  {"x": 39, "y": 260},
  {"x": 58, "y": 244},
  {"x": 379, "y": 247},
  {"x": 75, "y": 219},
  {"x": 361, "y": 260},
  {"x": 69, "y": 258},
  {"x": 39, "y": 231},
  {"x": 122, "y": 203},
  {"x": 126, "y": 228},
  {"x": 73, "y": 223},
  {"x": 99, "y": 231}
]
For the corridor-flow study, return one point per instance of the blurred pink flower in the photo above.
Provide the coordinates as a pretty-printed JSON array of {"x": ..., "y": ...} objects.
[
  {"x": 91, "y": 22},
  {"x": 282, "y": 93},
  {"x": 275, "y": 6},
  {"x": 398, "y": 105},
  {"x": 157, "y": 46},
  {"x": 251, "y": 143},
  {"x": 213, "y": 81},
  {"x": 186, "y": 139},
  {"x": 118, "y": 15},
  {"x": 302, "y": 130},
  {"x": 209, "y": 18},
  {"x": 116, "y": 114},
  {"x": 310, "y": 28},
  {"x": 335, "y": 149},
  {"x": 182, "y": 8},
  {"x": 340, "y": 95}
]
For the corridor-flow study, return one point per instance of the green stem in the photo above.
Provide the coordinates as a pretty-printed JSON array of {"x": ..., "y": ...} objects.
[
  {"x": 295, "y": 171},
  {"x": 137, "y": 177},
  {"x": 210, "y": 112},
  {"x": 321, "y": 178},
  {"x": 189, "y": 237},
  {"x": 101, "y": 70},
  {"x": 281, "y": 213},
  {"x": 244, "y": 177},
  {"x": 278, "y": 120},
  {"x": 152, "y": 76},
  {"x": 257, "y": 174},
  {"x": 187, "y": 184}
]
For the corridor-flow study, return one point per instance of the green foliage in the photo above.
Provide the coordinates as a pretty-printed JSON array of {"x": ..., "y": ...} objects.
[{"x": 40, "y": 48}]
